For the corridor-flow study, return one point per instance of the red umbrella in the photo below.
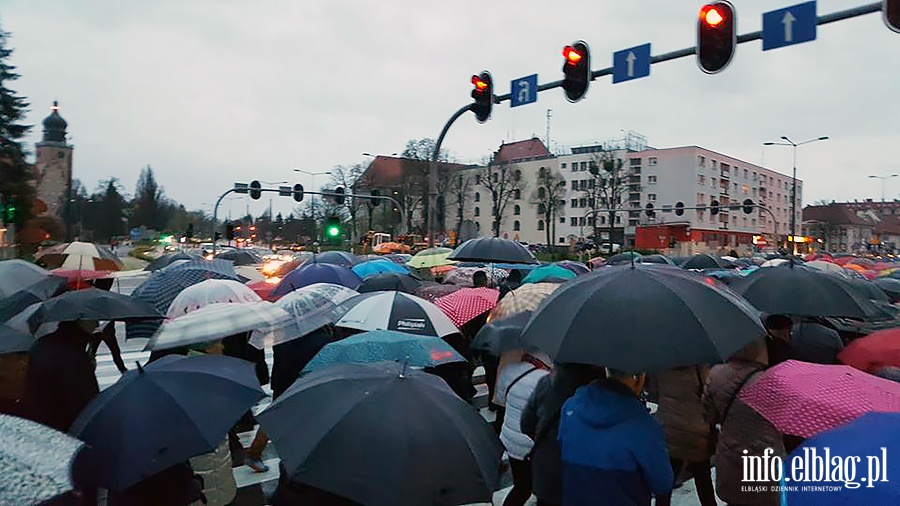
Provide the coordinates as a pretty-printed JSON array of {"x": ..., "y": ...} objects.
[
  {"x": 78, "y": 279},
  {"x": 264, "y": 287},
  {"x": 463, "y": 306},
  {"x": 865, "y": 262},
  {"x": 874, "y": 351},
  {"x": 843, "y": 260},
  {"x": 804, "y": 399}
]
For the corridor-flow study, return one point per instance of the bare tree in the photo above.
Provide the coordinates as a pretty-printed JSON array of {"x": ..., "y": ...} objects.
[
  {"x": 459, "y": 186},
  {"x": 502, "y": 180},
  {"x": 416, "y": 160},
  {"x": 346, "y": 177},
  {"x": 549, "y": 197},
  {"x": 606, "y": 188}
]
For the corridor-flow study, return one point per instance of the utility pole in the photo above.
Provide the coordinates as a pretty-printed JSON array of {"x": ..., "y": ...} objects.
[{"x": 549, "y": 115}]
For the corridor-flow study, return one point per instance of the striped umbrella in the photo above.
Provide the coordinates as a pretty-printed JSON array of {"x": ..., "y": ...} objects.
[
  {"x": 525, "y": 298},
  {"x": 395, "y": 311},
  {"x": 467, "y": 304},
  {"x": 79, "y": 255}
]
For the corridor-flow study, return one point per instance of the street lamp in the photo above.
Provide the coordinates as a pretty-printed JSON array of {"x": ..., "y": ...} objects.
[
  {"x": 370, "y": 154},
  {"x": 883, "y": 180},
  {"x": 794, "y": 145},
  {"x": 312, "y": 198}
]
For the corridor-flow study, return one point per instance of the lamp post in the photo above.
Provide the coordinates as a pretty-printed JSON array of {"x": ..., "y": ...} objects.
[
  {"x": 794, "y": 145},
  {"x": 312, "y": 198},
  {"x": 883, "y": 181}
]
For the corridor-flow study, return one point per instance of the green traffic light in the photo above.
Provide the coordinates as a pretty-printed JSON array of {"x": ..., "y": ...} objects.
[{"x": 333, "y": 231}]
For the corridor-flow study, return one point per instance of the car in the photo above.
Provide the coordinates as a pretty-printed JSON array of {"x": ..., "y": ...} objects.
[{"x": 605, "y": 249}]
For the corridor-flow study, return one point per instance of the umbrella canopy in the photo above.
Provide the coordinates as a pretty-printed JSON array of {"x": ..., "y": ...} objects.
[
  {"x": 702, "y": 261},
  {"x": 79, "y": 255},
  {"x": 373, "y": 267},
  {"x": 210, "y": 291},
  {"x": 390, "y": 281},
  {"x": 865, "y": 288},
  {"x": 524, "y": 298},
  {"x": 241, "y": 257},
  {"x": 13, "y": 340},
  {"x": 36, "y": 461},
  {"x": 385, "y": 346},
  {"x": 214, "y": 322},
  {"x": 342, "y": 258},
  {"x": 285, "y": 268},
  {"x": 804, "y": 399},
  {"x": 463, "y": 276},
  {"x": 822, "y": 265},
  {"x": 386, "y": 424},
  {"x": 395, "y": 311},
  {"x": 263, "y": 288},
  {"x": 398, "y": 258},
  {"x": 642, "y": 318},
  {"x": 92, "y": 304},
  {"x": 492, "y": 249},
  {"x": 596, "y": 262},
  {"x": 577, "y": 267},
  {"x": 308, "y": 308},
  {"x": 465, "y": 305},
  {"x": 17, "y": 274},
  {"x": 868, "y": 435},
  {"x": 431, "y": 257},
  {"x": 164, "y": 413},
  {"x": 801, "y": 291},
  {"x": 625, "y": 258},
  {"x": 433, "y": 292},
  {"x": 874, "y": 351},
  {"x": 543, "y": 273},
  {"x": 890, "y": 286},
  {"x": 311, "y": 273},
  {"x": 39, "y": 291},
  {"x": 78, "y": 279},
  {"x": 499, "y": 336},
  {"x": 168, "y": 258}
]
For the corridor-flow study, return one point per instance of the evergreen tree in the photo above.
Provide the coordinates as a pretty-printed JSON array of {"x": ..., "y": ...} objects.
[{"x": 150, "y": 207}]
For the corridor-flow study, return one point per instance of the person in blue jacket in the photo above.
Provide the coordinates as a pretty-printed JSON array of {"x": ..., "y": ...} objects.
[{"x": 613, "y": 451}]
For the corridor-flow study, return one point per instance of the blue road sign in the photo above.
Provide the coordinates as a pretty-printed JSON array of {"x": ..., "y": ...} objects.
[
  {"x": 789, "y": 26},
  {"x": 632, "y": 63},
  {"x": 523, "y": 91}
]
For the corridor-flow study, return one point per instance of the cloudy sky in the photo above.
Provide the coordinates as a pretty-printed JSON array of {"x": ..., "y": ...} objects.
[{"x": 214, "y": 91}]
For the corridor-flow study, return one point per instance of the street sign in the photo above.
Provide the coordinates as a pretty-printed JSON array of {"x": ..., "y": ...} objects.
[
  {"x": 241, "y": 188},
  {"x": 789, "y": 26},
  {"x": 285, "y": 191},
  {"x": 632, "y": 63},
  {"x": 524, "y": 91}
]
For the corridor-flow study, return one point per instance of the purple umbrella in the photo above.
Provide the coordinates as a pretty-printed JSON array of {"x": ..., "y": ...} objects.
[
  {"x": 311, "y": 273},
  {"x": 577, "y": 267}
]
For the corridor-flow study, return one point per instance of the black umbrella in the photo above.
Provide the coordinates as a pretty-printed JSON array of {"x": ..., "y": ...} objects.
[
  {"x": 40, "y": 291},
  {"x": 889, "y": 286},
  {"x": 92, "y": 304},
  {"x": 390, "y": 281},
  {"x": 627, "y": 257},
  {"x": 642, "y": 318},
  {"x": 14, "y": 341},
  {"x": 801, "y": 292},
  {"x": 164, "y": 413},
  {"x": 500, "y": 336},
  {"x": 342, "y": 258},
  {"x": 703, "y": 261},
  {"x": 241, "y": 257},
  {"x": 165, "y": 260},
  {"x": 15, "y": 274},
  {"x": 380, "y": 434},
  {"x": 864, "y": 288},
  {"x": 657, "y": 259},
  {"x": 492, "y": 249}
]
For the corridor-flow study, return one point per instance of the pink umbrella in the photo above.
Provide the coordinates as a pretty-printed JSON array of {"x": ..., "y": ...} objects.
[
  {"x": 463, "y": 306},
  {"x": 870, "y": 274},
  {"x": 805, "y": 399}
]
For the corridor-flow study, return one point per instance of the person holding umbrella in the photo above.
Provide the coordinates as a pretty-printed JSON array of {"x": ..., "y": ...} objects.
[{"x": 778, "y": 338}]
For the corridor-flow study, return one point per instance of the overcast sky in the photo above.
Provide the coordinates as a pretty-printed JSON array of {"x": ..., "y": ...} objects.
[{"x": 214, "y": 91}]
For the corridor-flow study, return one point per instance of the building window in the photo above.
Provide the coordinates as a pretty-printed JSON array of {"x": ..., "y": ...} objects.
[
  {"x": 562, "y": 240},
  {"x": 517, "y": 194},
  {"x": 582, "y": 202},
  {"x": 574, "y": 203},
  {"x": 746, "y": 174},
  {"x": 634, "y": 162},
  {"x": 518, "y": 175},
  {"x": 651, "y": 179},
  {"x": 581, "y": 221},
  {"x": 542, "y": 193},
  {"x": 651, "y": 197},
  {"x": 712, "y": 182},
  {"x": 516, "y": 226},
  {"x": 583, "y": 185},
  {"x": 714, "y": 164},
  {"x": 618, "y": 220},
  {"x": 603, "y": 220},
  {"x": 563, "y": 166},
  {"x": 477, "y": 178},
  {"x": 478, "y": 226},
  {"x": 701, "y": 161},
  {"x": 583, "y": 166},
  {"x": 477, "y": 212},
  {"x": 574, "y": 185},
  {"x": 590, "y": 203},
  {"x": 477, "y": 197},
  {"x": 573, "y": 221},
  {"x": 754, "y": 192},
  {"x": 651, "y": 161},
  {"x": 517, "y": 211},
  {"x": 562, "y": 220},
  {"x": 540, "y": 224},
  {"x": 592, "y": 221},
  {"x": 734, "y": 220},
  {"x": 701, "y": 179}
]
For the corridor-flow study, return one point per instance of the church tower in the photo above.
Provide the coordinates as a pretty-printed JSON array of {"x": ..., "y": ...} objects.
[{"x": 54, "y": 164}]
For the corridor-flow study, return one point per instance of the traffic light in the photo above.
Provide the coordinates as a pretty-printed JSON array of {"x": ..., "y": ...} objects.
[
  {"x": 298, "y": 192},
  {"x": 716, "y": 36},
  {"x": 339, "y": 195},
  {"x": 748, "y": 206},
  {"x": 714, "y": 207},
  {"x": 255, "y": 190},
  {"x": 190, "y": 231},
  {"x": 577, "y": 70},
  {"x": 679, "y": 209},
  {"x": 375, "y": 193},
  {"x": 217, "y": 236},
  {"x": 649, "y": 210},
  {"x": 333, "y": 228},
  {"x": 229, "y": 231},
  {"x": 483, "y": 93},
  {"x": 890, "y": 11}
]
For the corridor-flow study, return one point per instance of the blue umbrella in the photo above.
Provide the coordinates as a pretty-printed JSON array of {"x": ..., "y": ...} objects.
[
  {"x": 164, "y": 413},
  {"x": 372, "y": 267},
  {"x": 341, "y": 258},
  {"x": 385, "y": 346},
  {"x": 546, "y": 272},
  {"x": 862, "y": 438},
  {"x": 577, "y": 267},
  {"x": 311, "y": 273}
]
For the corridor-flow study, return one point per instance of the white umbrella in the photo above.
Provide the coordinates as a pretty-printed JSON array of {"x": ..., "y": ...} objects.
[
  {"x": 396, "y": 311},
  {"x": 824, "y": 266},
  {"x": 210, "y": 291},
  {"x": 36, "y": 461},
  {"x": 775, "y": 262},
  {"x": 214, "y": 322},
  {"x": 308, "y": 308}
]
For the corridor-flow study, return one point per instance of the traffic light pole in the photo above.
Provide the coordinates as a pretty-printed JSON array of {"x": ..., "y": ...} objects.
[{"x": 432, "y": 174}]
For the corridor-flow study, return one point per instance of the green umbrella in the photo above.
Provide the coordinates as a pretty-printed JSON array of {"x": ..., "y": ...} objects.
[
  {"x": 431, "y": 257},
  {"x": 547, "y": 272}
]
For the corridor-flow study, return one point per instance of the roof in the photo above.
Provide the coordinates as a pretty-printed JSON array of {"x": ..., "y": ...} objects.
[
  {"x": 389, "y": 171},
  {"x": 835, "y": 215},
  {"x": 888, "y": 225},
  {"x": 520, "y": 151}
]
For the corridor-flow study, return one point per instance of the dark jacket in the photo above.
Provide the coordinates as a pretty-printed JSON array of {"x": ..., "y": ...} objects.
[
  {"x": 540, "y": 421},
  {"x": 291, "y": 493},
  {"x": 613, "y": 451},
  {"x": 289, "y": 358},
  {"x": 237, "y": 346},
  {"x": 175, "y": 486},
  {"x": 60, "y": 381}
]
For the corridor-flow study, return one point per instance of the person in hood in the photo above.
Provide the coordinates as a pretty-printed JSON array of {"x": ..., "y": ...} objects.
[{"x": 613, "y": 451}]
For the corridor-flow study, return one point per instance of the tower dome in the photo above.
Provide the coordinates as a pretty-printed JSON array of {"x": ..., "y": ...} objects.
[{"x": 55, "y": 126}]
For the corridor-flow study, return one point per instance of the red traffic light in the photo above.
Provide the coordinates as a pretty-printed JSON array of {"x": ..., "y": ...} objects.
[
  {"x": 710, "y": 15},
  {"x": 716, "y": 36},
  {"x": 571, "y": 55},
  {"x": 483, "y": 95},
  {"x": 480, "y": 84},
  {"x": 576, "y": 70}
]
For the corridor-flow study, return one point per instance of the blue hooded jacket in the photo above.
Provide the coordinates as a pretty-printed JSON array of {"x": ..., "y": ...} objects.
[{"x": 613, "y": 451}]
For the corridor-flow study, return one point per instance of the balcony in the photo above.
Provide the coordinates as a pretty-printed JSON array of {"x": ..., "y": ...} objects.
[
  {"x": 634, "y": 196},
  {"x": 634, "y": 171},
  {"x": 725, "y": 174},
  {"x": 634, "y": 179}
]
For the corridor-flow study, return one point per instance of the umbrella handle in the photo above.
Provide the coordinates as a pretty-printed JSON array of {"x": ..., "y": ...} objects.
[{"x": 405, "y": 365}]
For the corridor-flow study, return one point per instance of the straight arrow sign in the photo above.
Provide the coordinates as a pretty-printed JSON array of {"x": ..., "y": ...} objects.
[
  {"x": 789, "y": 26},
  {"x": 630, "y": 59},
  {"x": 788, "y": 22},
  {"x": 631, "y": 63}
]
